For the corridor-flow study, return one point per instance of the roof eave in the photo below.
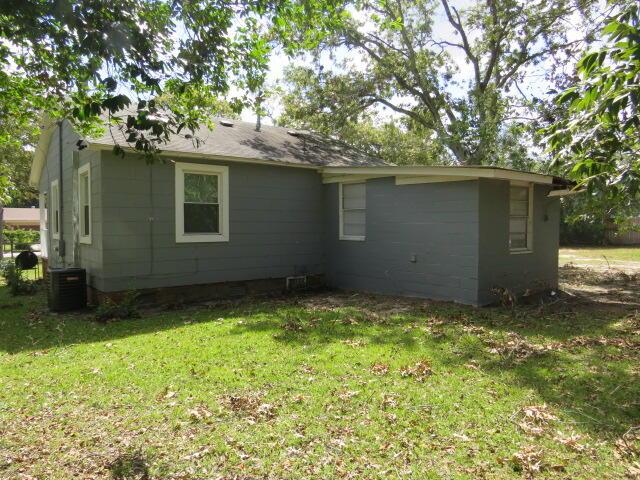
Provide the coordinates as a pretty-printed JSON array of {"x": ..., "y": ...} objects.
[{"x": 40, "y": 154}]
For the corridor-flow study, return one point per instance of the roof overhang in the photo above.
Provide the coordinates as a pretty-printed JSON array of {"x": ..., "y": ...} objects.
[
  {"x": 405, "y": 175},
  {"x": 40, "y": 154}
]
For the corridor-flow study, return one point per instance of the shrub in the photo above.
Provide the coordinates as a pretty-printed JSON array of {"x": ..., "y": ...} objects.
[
  {"x": 13, "y": 274},
  {"x": 126, "y": 307},
  {"x": 21, "y": 237}
]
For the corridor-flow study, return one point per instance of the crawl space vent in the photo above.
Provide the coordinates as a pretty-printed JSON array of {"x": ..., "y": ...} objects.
[{"x": 296, "y": 283}]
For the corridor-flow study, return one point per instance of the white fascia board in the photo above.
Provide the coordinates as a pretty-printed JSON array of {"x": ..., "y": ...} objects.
[
  {"x": 478, "y": 172},
  {"x": 348, "y": 178},
  {"x": 40, "y": 155},
  {"x": 563, "y": 193},
  {"x": 413, "y": 180}
]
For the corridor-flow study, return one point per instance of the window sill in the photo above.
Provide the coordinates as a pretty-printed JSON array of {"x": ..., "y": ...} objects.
[
  {"x": 520, "y": 251},
  {"x": 355, "y": 239},
  {"x": 85, "y": 240},
  {"x": 198, "y": 238}
]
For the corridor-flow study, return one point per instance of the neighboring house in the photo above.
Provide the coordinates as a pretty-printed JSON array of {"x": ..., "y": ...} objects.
[
  {"x": 249, "y": 209},
  {"x": 21, "y": 218}
]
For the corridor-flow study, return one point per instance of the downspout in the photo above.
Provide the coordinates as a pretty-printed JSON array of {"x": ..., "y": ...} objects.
[{"x": 61, "y": 249}]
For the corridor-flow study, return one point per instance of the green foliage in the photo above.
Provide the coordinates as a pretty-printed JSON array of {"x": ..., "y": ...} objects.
[
  {"x": 596, "y": 140},
  {"x": 83, "y": 59},
  {"x": 21, "y": 237},
  {"x": 407, "y": 66},
  {"x": 193, "y": 393},
  {"x": 14, "y": 276},
  {"x": 125, "y": 307}
]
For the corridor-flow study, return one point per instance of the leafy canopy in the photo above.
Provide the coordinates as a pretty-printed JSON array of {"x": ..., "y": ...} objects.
[
  {"x": 597, "y": 139},
  {"x": 81, "y": 59},
  {"x": 414, "y": 63}
]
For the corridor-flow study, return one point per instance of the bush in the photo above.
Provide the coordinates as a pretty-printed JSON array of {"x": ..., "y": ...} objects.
[
  {"x": 125, "y": 308},
  {"x": 14, "y": 276},
  {"x": 21, "y": 237}
]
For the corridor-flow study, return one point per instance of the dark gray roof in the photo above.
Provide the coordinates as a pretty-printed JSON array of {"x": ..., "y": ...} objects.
[{"x": 274, "y": 144}]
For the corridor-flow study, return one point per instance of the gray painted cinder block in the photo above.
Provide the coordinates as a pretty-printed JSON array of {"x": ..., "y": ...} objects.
[
  {"x": 403, "y": 221},
  {"x": 498, "y": 267},
  {"x": 276, "y": 226},
  {"x": 440, "y": 240}
]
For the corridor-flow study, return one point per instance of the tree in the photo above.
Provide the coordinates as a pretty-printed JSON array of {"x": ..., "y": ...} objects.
[
  {"x": 410, "y": 68},
  {"x": 596, "y": 140},
  {"x": 81, "y": 59},
  {"x": 309, "y": 103}
]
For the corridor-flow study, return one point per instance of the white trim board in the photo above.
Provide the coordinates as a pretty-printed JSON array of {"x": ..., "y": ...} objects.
[
  {"x": 413, "y": 180},
  {"x": 223, "y": 201},
  {"x": 563, "y": 193},
  {"x": 430, "y": 171}
]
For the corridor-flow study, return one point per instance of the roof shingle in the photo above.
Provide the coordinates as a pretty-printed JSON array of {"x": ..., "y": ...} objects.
[{"x": 274, "y": 144}]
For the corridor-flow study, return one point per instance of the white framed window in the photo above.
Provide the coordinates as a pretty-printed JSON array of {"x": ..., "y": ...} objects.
[
  {"x": 55, "y": 210},
  {"x": 352, "y": 210},
  {"x": 520, "y": 218},
  {"x": 84, "y": 202},
  {"x": 202, "y": 203}
]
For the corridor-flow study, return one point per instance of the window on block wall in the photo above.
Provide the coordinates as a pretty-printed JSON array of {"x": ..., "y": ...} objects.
[{"x": 84, "y": 201}]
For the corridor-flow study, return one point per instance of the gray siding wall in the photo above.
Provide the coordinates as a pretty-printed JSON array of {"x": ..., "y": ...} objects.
[
  {"x": 276, "y": 226},
  {"x": 518, "y": 272},
  {"x": 437, "y": 222},
  {"x": 89, "y": 256}
]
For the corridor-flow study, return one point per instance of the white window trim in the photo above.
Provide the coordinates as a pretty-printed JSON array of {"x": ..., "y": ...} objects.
[
  {"x": 342, "y": 236},
  {"x": 86, "y": 168},
  {"x": 223, "y": 200},
  {"x": 529, "y": 247},
  {"x": 55, "y": 232}
]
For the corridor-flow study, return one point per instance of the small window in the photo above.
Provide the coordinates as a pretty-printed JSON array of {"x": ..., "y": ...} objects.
[
  {"x": 202, "y": 203},
  {"x": 520, "y": 218},
  {"x": 55, "y": 210},
  {"x": 84, "y": 200},
  {"x": 353, "y": 210}
]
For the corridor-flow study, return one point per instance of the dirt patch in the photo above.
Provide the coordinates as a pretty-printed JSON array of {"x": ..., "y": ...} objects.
[{"x": 604, "y": 286}]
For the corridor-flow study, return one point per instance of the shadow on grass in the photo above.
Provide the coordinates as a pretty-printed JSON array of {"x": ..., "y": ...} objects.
[{"x": 590, "y": 385}]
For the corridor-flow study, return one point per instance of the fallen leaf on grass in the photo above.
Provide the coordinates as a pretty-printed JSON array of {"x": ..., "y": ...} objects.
[
  {"x": 379, "y": 369},
  {"x": 420, "y": 371},
  {"x": 250, "y": 405},
  {"x": 528, "y": 461},
  {"x": 535, "y": 418},
  {"x": 574, "y": 442},
  {"x": 199, "y": 413}
]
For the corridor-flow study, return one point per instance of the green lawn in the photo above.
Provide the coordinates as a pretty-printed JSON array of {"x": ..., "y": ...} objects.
[
  {"x": 616, "y": 257},
  {"x": 321, "y": 386}
]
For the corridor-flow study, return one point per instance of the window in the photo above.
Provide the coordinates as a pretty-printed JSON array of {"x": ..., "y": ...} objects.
[
  {"x": 55, "y": 210},
  {"x": 520, "y": 218},
  {"x": 84, "y": 201},
  {"x": 353, "y": 211},
  {"x": 202, "y": 203}
]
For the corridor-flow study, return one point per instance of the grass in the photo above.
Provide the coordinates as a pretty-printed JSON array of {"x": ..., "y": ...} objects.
[
  {"x": 618, "y": 257},
  {"x": 326, "y": 385}
]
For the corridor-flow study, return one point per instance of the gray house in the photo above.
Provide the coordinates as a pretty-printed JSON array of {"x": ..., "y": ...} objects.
[{"x": 250, "y": 211}]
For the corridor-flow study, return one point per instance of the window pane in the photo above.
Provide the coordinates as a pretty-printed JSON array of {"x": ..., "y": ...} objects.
[
  {"x": 353, "y": 222},
  {"x": 84, "y": 189},
  {"x": 86, "y": 221},
  {"x": 201, "y": 218},
  {"x": 353, "y": 195},
  {"x": 518, "y": 240},
  {"x": 199, "y": 188},
  {"x": 519, "y": 193},
  {"x": 519, "y": 207},
  {"x": 518, "y": 225}
]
